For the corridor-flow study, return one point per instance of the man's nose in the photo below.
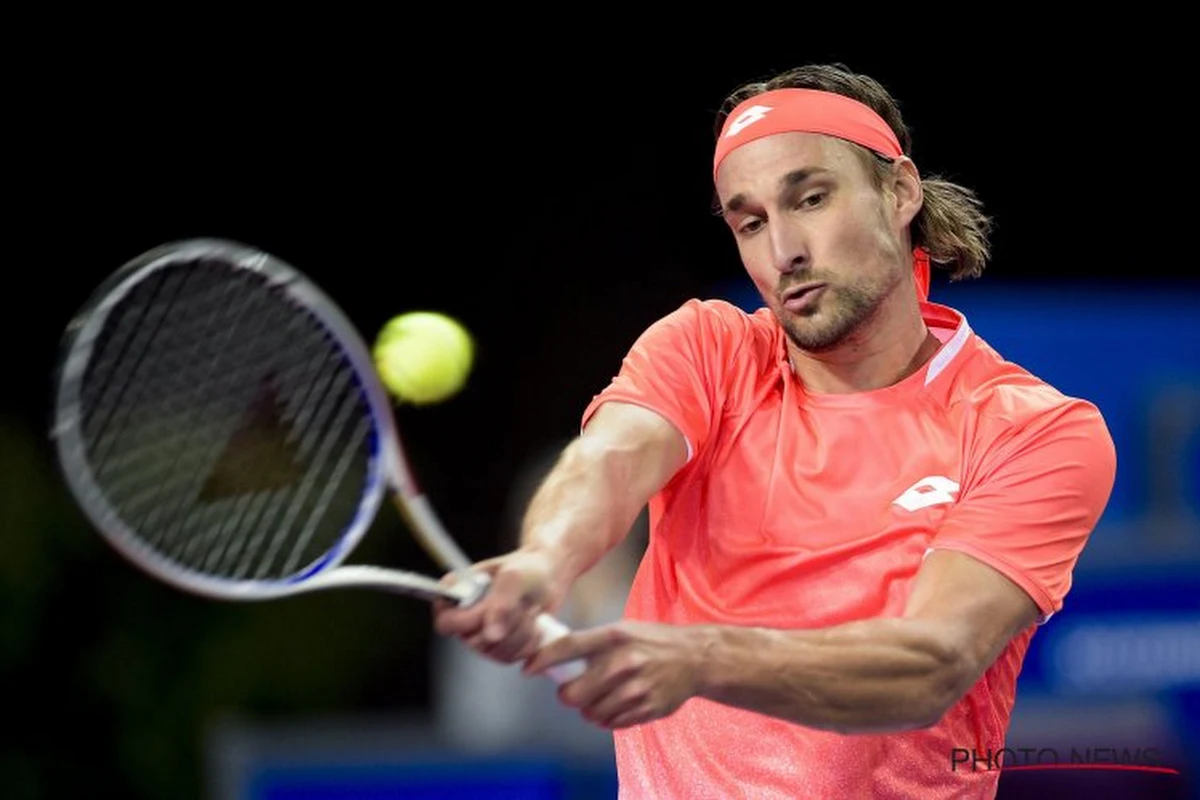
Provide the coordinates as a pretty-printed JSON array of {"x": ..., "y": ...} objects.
[{"x": 789, "y": 250}]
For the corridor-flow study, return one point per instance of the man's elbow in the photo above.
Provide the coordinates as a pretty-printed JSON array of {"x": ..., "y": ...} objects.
[
  {"x": 953, "y": 672},
  {"x": 944, "y": 676}
]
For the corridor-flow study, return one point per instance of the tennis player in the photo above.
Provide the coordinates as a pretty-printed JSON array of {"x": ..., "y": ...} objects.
[{"x": 859, "y": 511}]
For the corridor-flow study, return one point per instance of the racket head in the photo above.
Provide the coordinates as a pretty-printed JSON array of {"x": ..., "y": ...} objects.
[{"x": 219, "y": 421}]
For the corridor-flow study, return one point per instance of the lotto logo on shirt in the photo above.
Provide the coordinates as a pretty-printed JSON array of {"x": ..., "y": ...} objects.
[{"x": 930, "y": 491}]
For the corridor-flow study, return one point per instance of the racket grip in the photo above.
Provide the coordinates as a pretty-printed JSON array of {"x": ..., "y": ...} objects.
[{"x": 550, "y": 629}]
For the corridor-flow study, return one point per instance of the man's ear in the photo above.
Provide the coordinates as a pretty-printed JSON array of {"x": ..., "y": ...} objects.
[{"x": 907, "y": 192}]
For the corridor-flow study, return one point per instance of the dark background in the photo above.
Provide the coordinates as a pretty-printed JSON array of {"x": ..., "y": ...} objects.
[{"x": 552, "y": 190}]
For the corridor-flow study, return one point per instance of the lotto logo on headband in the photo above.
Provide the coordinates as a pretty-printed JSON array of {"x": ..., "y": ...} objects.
[{"x": 748, "y": 117}]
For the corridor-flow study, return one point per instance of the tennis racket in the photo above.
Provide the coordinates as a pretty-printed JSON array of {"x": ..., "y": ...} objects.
[{"x": 220, "y": 422}]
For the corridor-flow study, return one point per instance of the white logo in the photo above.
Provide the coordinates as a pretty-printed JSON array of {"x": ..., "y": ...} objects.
[
  {"x": 748, "y": 117},
  {"x": 931, "y": 491}
]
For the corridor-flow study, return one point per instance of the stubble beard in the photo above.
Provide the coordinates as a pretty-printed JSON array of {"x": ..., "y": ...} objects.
[{"x": 840, "y": 312}]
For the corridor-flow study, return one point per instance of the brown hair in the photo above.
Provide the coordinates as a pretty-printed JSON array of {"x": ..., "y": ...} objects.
[{"x": 951, "y": 224}]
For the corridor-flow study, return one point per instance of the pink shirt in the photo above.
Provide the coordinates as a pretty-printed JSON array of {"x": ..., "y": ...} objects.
[{"x": 800, "y": 510}]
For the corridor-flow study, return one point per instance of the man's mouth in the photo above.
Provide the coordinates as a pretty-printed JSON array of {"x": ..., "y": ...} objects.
[{"x": 802, "y": 296}]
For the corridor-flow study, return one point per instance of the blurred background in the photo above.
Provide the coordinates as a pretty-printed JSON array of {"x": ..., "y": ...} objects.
[{"x": 555, "y": 197}]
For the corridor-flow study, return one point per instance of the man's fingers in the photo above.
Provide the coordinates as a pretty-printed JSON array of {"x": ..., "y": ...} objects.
[
  {"x": 452, "y": 619},
  {"x": 518, "y": 644},
  {"x": 572, "y": 646},
  {"x": 509, "y": 605},
  {"x": 606, "y": 710}
]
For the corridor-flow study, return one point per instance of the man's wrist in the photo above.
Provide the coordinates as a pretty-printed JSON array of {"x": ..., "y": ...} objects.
[
  {"x": 555, "y": 565},
  {"x": 709, "y": 658}
]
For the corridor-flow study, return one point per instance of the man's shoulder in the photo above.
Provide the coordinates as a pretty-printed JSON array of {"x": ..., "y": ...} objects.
[
  {"x": 720, "y": 308},
  {"x": 730, "y": 341},
  {"x": 715, "y": 318},
  {"x": 1009, "y": 395}
]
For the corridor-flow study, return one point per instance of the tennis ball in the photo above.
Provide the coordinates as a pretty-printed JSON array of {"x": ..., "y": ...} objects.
[{"x": 423, "y": 357}]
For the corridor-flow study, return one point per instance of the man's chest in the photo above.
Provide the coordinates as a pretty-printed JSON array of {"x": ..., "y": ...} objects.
[{"x": 815, "y": 479}]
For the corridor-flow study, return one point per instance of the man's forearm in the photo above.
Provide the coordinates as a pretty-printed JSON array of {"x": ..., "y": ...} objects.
[
  {"x": 586, "y": 505},
  {"x": 872, "y": 676}
]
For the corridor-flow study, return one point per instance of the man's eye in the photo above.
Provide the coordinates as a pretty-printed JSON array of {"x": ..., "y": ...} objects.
[
  {"x": 814, "y": 199},
  {"x": 749, "y": 226}
]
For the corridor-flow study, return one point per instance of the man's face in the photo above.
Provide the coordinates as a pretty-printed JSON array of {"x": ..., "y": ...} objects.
[{"x": 823, "y": 245}]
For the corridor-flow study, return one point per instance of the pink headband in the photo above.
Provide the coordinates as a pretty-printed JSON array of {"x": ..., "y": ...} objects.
[
  {"x": 805, "y": 111},
  {"x": 815, "y": 111}
]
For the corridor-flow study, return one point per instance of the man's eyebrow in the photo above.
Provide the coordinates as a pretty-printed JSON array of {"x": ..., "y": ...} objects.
[
  {"x": 799, "y": 176},
  {"x": 789, "y": 181}
]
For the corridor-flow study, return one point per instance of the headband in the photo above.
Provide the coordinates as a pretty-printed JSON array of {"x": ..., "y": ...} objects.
[{"x": 805, "y": 111}]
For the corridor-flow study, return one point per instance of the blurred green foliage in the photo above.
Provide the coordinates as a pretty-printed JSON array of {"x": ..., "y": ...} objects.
[{"x": 114, "y": 679}]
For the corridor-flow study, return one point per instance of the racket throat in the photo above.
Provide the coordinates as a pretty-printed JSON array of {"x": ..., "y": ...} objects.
[{"x": 364, "y": 576}]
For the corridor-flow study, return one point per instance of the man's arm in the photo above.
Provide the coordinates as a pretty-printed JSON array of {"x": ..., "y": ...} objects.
[
  {"x": 601, "y": 482},
  {"x": 869, "y": 676},
  {"x": 587, "y": 503},
  {"x": 880, "y": 674}
]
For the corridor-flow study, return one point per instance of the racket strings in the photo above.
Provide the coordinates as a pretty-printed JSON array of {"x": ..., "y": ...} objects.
[
  {"x": 196, "y": 537},
  {"x": 332, "y": 427},
  {"x": 245, "y": 530},
  {"x": 154, "y": 357},
  {"x": 189, "y": 384},
  {"x": 117, "y": 370},
  {"x": 224, "y": 424},
  {"x": 264, "y": 542},
  {"x": 202, "y": 385}
]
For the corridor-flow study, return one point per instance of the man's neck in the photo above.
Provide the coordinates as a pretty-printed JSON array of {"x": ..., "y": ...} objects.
[{"x": 894, "y": 344}]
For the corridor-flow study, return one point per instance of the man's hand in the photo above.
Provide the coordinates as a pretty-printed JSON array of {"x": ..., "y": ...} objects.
[
  {"x": 500, "y": 625},
  {"x": 636, "y": 672}
]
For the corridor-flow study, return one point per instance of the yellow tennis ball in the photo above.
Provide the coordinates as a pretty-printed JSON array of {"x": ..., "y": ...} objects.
[{"x": 423, "y": 357}]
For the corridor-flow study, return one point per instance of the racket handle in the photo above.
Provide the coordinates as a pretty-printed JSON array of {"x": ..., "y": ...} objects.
[{"x": 550, "y": 629}]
